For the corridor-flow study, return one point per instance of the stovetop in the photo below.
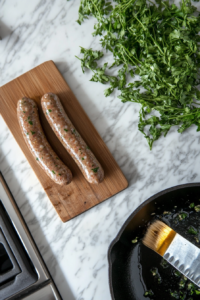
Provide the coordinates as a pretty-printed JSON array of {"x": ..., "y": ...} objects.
[{"x": 23, "y": 274}]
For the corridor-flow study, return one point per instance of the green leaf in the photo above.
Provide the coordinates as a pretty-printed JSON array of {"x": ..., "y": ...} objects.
[
  {"x": 135, "y": 240},
  {"x": 95, "y": 169},
  {"x": 197, "y": 292},
  {"x": 192, "y": 230},
  {"x": 197, "y": 208}
]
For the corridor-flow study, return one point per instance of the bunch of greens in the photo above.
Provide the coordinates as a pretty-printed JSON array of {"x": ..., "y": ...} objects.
[{"x": 160, "y": 43}]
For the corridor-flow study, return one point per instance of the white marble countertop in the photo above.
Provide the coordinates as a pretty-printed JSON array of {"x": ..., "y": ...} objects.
[{"x": 76, "y": 252}]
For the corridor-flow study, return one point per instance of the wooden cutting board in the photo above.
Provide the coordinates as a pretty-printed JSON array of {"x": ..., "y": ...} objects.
[{"x": 79, "y": 196}]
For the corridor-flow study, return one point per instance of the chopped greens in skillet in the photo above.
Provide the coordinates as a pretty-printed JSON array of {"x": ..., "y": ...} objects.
[{"x": 163, "y": 276}]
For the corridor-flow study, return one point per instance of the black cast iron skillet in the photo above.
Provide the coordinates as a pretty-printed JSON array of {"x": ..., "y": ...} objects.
[{"x": 126, "y": 282}]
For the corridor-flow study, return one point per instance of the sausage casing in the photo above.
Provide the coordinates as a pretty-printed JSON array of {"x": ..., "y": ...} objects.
[
  {"x": 27, "y": 113},
  {"x": 71, "y": 139}
]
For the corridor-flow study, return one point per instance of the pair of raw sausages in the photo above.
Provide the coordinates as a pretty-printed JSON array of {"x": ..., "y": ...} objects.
[{"x": 36, "y": 141}]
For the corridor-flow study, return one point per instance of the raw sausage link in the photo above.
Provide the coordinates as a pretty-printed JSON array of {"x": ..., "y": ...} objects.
[
  {"x": 71, "y": 139},
  {"x": 27, "y": 113}
]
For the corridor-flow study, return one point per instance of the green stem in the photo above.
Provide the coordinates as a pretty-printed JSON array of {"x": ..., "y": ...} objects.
[
  {"x": 96, "y": 8},
  {"x": 125, "y": 6},
  {"x": 126, "y": 50},
  {"x": 182, "y": 116},
  {"x": 145, "y": 28}
]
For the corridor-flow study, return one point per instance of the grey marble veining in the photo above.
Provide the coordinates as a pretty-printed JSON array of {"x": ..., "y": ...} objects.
[{"x": 76, "y": 252}]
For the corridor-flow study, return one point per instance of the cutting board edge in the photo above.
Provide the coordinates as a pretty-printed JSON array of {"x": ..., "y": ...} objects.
[
  {"x": 47, "y": 61},
  {"x": 100, "y": 202}
]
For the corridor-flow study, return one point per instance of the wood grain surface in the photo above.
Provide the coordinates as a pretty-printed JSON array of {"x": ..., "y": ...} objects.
[{"x": 79, "y": 196}]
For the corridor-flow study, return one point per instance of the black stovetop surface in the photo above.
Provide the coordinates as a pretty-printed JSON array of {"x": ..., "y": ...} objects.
[{"x": 5, "y": 261}]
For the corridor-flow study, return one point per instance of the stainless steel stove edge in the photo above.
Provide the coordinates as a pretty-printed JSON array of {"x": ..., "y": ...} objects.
[{"x": 44, "y": 281}]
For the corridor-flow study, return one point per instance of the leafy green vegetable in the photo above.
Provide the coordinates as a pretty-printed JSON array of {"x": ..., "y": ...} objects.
[
  {"x": 182, "y": 215},
  {"x": 158, "y": 45},
  {"x": 155, "y": 273},
  {"x": 148, "y": 293},
  {"x": 135, "y": 240},
  {"x": 182, "y": 283},
  {"x": 95, "y": 169},
  {"x": 89, "y": 59},
  {"x": 197, "y": 208},
  {"x": 192, "y": 230},
  {"x": 192, "y": 289},
  {"x": 164, "y": 263},
  {"x": 182, "y": 295},
  {"x": 190, "y": 285},
  {"x": 177, "y": 273},
  {"x": 175, "y": 294},
  {"x": 197, "y": 292},
  {"x": 96, "y": 8}
]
